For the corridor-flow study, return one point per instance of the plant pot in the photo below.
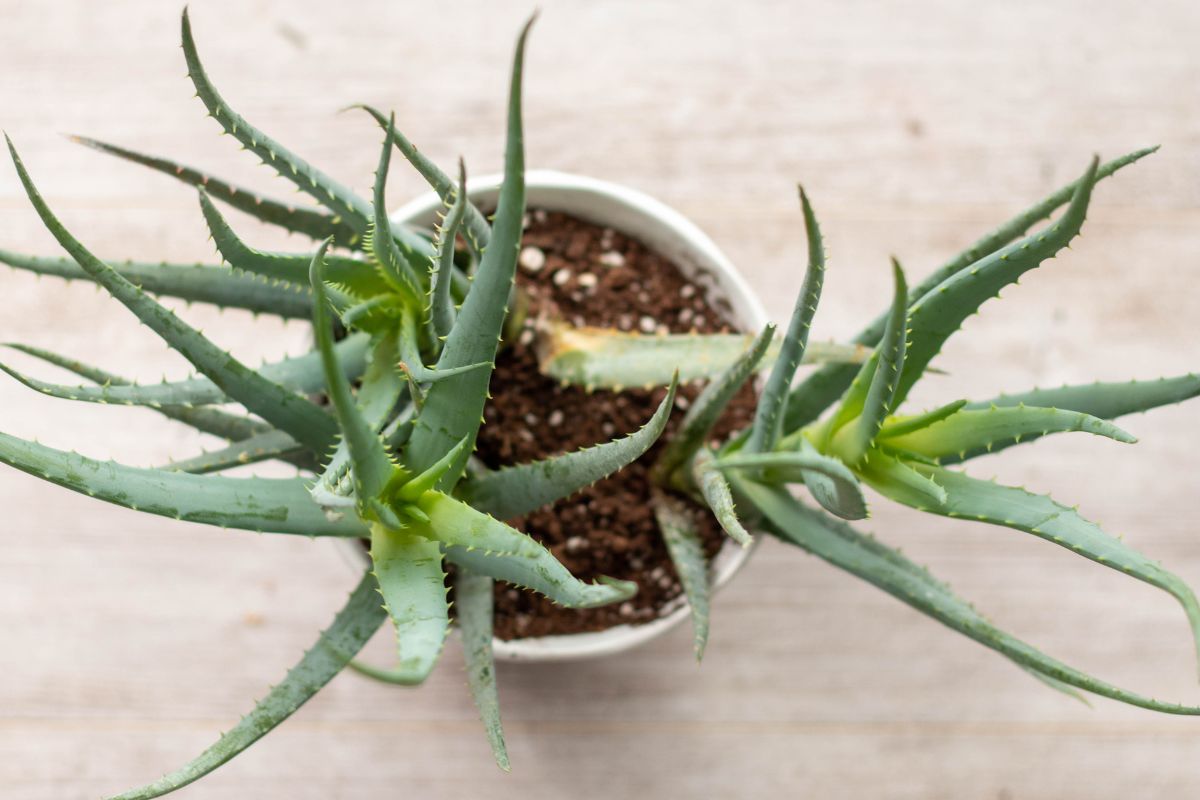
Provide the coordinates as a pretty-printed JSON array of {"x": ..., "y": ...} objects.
[{"x": 670, "y": 234}]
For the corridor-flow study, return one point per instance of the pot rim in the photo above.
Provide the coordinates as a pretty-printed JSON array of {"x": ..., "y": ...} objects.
[{"x": 667, "y": 231}]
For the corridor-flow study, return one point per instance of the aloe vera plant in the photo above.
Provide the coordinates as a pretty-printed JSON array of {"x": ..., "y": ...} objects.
[{"x": 388, "y": 460}]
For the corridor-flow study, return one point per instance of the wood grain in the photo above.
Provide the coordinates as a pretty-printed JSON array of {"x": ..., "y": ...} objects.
[{"x": 129, "y": 642}]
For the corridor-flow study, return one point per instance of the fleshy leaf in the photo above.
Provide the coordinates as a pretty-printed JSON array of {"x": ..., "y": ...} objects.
[
  {"x": 307, "y": 221},
  {"x": 687, "y": 554},
  {"x": 715, "y": 490},
  {"x": 234, "y": 427},
  {"x": 441, "y": 304},
  {"x": 898, "y": 426},
  {"x": 454, "y": 406},
  {"x": 513, "y": 491},
  {"x": 707, "y": 408},
  {"x": 845, "y": 548},
  {"x": 291, "y": 268},
  {"x": 473, "y": 605},
  {"x": 934, "y": 317},
  {"x": 459, "y": 526},
  {"x": 845, "y": 496},
  {"x": 969, "y": 498},
  {"x": 272, "y": 505},
  {"x": 195, "y": 283},
  {"x": 352, "y": 628},
  {"x": 396, "y": 265},
  {"x": 276, "y": 404},
  {"x": 601, "y": 358},
  {"x": 412, "y": 582},
  {"x": 301, "y": 374},
  {"x": 819, "y": 390},
  {"x": 477, "y": 228},
  {"x": 263, "y": 447},
  {"x": 971, "y": 432},
  {"x": 768, "y": 417}
]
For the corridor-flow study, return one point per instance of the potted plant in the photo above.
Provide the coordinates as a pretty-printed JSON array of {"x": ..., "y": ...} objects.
[{"x": 557, "y": 294}]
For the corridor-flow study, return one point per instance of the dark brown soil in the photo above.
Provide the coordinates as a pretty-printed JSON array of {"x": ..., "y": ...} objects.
[{"x": 594, "y": 276}]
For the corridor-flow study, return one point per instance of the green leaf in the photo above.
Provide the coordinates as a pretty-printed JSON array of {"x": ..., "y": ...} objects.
[
  {"x": 372, "y": 467},
  {"x": 412, "y": 581},
  {"x": 195, "y": 283},
  {"x": 968, "y": 498},
  {"x": 206, "y": 420},
  {"x": 347, "y": 207},
  {"x": 477, "y": 228},
  {"x": 844, "y": 496},
  {"x": 971, "y": 432},
  {"x": 899, "y": 426},
  {"x": 845, "y": 548},
  {"x": 898, "y": 479},
  {"x": 263, "y": 447},
  {"x": 601, "y": 358},
  {"x": 269, "y": 505},
  {"x": 881, "y": 381},
  {"x": 441, "y": 304},
  {"x": 300, "y": 374},
  {"x": 291, "y": 268},
  {"x": 687, "y": 554},
  {"x": 274, "y": 403},
  {"x": 820, "y": 389},
  {"x": 352, "y": 628},
  {"x": 937, "y": 315},
  {"x": 307, "y": 221},
  {"x": 526, "y": 562},
  {"x": 715, "y": 490},
  {"x": 473, "y": 603},
  {"x": 513, "y": 491},
  {"x": 454, "y": 406},
  {"x": 768, "y": 417},
  {"x": 708, "y": 407},
  {"x": 396, "y": 266},
  {"x": 1103, "y": 400}
]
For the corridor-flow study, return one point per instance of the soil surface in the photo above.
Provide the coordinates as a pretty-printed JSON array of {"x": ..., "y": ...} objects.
[{"x": 590, "y": 275}]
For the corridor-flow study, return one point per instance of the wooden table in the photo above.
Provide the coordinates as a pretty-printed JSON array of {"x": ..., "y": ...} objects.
[{"x": 128, "y": 641}]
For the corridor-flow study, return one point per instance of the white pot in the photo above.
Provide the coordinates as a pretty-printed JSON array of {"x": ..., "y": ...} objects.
[{"x": 667, "y": 232}]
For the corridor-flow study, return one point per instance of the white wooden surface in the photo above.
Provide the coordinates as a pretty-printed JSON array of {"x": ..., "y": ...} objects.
[{"x": 127, "y": 642}]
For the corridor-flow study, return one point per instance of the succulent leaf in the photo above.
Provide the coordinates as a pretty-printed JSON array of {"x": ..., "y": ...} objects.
[
  {"x": 413, "y": 584},
  {"x": 717, "y": 496},
  {"x": 971, "y": 432},
  {"x": 708, "y": 407},
  {"x": 1103, "y": 400},
  {"x": 291, "y": 268},
  {"x": 441, "y": 304},
  {"x": 687, "y": 554},
  {"x": 512, "y": 491},
  {"x": 845, "y": 548},
  {"x": 263, "y": 447},
  {"x": 477, "y": 228},
  {"x": 234, "y": 427},
  {"x": 969, "y": 498},
  {"x": 454, "y": 407},
  {"x": 899, "y": 426},
  {"x": 473, "y": 605},
  {"x": 940, "y": 312},
  {"x": 300, "y": 374},
  {"x": 822, "y": 388},
  {"x": 600, "y": 358},
  {"x": 307, "y": 221},
  {"x": 269, "y": 505},
  {"x": 768, "y": 417},
  {"x": 352, "y": 628},
  {"x": 274, "y": 403},
  {"x": 396, "y": 263},
  {"x": 871, "y": 396},
  {"x": 371, "y": 465},
  {"x": 839, "y": 493},
  {"x": 195, "y": 283}
]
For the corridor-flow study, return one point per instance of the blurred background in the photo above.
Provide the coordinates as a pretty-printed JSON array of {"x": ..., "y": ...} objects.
[{"x": 130, "y": 641}]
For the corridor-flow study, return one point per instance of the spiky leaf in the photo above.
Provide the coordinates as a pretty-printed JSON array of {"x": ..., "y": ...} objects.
[
  {"x": 687, "y": 554},
  {"x": 473, "y": 604}
]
